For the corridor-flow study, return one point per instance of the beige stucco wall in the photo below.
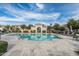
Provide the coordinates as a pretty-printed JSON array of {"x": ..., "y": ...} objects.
[{"x": 41, "y": 26}]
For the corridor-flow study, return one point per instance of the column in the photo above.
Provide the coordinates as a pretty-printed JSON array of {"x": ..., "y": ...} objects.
[
  {"x": 36, "y": 30},
  {"x": 46, "y": 29},
  {"x": 41, "y": 30}
]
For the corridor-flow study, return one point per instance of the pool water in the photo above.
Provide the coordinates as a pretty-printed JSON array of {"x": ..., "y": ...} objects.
[{"x": 38, "y": 37}]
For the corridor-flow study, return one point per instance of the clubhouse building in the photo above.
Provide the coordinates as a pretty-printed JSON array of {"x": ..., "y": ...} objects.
[{"x": 37, "y": 28}]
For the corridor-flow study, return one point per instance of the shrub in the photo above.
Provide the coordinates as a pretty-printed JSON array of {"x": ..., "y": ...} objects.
[{"x": 3, "y": 47}]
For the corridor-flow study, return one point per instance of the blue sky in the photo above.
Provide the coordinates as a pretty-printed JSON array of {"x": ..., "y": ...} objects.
[{"x": 32, "y": 13}]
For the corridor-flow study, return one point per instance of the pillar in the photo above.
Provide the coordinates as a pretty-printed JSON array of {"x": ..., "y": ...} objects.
[
  {"x": 36, "y": 30},
  {"x": 41, "y": 30}
]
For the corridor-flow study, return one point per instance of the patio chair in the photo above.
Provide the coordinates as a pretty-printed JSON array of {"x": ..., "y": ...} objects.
[{"x": 75, "y": 36}]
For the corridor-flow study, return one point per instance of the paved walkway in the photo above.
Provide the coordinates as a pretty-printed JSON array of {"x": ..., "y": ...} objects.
[
  {"x": 29, "y": 48},
  {"x": 61, "y": 47}
]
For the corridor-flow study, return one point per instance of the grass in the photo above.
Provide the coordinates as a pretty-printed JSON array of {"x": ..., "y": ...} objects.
[{"x": 3, "y": 47}]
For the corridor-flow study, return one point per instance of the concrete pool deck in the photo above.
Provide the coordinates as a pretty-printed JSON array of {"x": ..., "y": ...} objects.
[{"x": 62, "y": 47}]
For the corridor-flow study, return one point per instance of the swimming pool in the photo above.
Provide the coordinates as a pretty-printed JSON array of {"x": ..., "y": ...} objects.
[{"x": 38, "y": 37}]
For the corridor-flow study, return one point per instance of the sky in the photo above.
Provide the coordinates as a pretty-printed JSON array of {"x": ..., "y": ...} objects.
[{"x": 32, "y": 13}]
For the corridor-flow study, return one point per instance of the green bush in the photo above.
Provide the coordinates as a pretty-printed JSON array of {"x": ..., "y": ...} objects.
[{"x": 3, "y": 47}]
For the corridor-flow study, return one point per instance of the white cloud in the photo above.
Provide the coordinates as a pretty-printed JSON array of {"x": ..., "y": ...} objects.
[
  {"x": 39, "y": 16},
  {"x": 24, "y": 16},
  {"x": 21, "y": 14},
  {"x": 3, "y": 23},
  {"x": 11, "y": 10},
  {"x": 5, "y": 19},
  {"x": 75, "y": 14},
  {"x": 40, "y": 6}
]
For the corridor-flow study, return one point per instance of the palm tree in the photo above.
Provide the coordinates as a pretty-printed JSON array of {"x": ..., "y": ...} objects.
[{"x": 49, "y": 28}]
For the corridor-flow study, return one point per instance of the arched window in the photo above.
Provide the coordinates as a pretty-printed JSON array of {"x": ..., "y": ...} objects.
[{"x": 38, "y": 30}]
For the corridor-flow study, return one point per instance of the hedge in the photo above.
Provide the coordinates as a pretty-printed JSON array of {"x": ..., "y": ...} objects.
[{"x": 3, "y": 47}]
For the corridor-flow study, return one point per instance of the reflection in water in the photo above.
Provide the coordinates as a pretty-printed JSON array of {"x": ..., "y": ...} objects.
[{"x": 38, "y": 37}]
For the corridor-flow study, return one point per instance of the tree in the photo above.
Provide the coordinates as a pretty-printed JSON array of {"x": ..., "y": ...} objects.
[
  {"x": 72, "y": 23},
  {"x": 50, "y": 24},
  {"x": 23, "y": 26},
  {"x": 78, "y": 23},
  {"x": 49, "y": 28},
  {"x": 7, "y": 27},
  {"x": 56, "y": 26},
  {"x": 61, "y": 28},
  {"x": 29, "y": 26}
]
